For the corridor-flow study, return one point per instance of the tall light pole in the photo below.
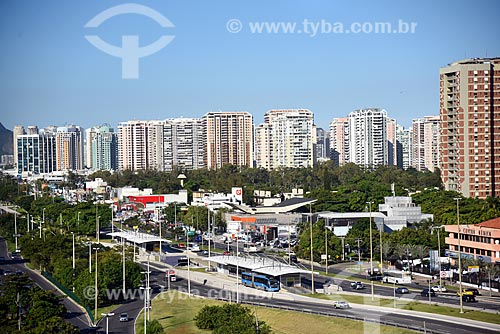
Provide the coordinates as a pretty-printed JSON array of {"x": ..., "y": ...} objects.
[
  {"x": 326, "y": 249},
  {"x": 380, "y": 246},
  {"x": 371, "y": 247},
  {"x": 43, "y": 215},
  {"x": 95, "y": 286},
  {"x": 311, "y": 237},
  {"x": 97, "y": 228},
  {"x": 15, "y": 229},
  {"x": 123, "y": 265},
  {"x": 78, "y": 223},
  {"x": 112, "y": 224},
  {"x": 208, "y": 236},
  {"x": 73, "y": 235},
  {"x": 459, "y": 259},
  {"x": 90, "y": 255},
  {"x": 159, "y": 228},
  {"x": 237, "y": 269},
  {"x": 189, "y": 272},
  {"x": 107, "y": 315}
]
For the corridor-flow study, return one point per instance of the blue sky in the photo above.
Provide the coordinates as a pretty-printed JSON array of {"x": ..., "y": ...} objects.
[{"x": 51, "y": 75}]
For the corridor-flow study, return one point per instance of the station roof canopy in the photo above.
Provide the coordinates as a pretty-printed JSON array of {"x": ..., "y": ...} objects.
[
  {"x": 283, "y": 207},
  {"x": 260, "y": 265},
  {"x": 138, "y": 237}
]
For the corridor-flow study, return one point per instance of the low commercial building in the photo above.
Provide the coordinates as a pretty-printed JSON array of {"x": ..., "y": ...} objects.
[{"x": 480, "y": 241}]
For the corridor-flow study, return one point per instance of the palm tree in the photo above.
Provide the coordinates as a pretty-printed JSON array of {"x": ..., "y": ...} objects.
[{"x": 492, "y": 270}]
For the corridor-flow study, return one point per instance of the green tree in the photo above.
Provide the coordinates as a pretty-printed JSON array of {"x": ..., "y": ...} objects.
[{"x": 229, "y": 318}]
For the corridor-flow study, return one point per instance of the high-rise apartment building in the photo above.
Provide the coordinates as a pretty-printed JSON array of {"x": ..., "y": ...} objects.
[
  {"x": 36, "y": 153},
  {"x": 263, "y": 146},
  {"x": 404, "y": 138},
  {"x": 286, "y": 139},
  {"x": 183, "y": 144},
  {"x": 102, "y": 148},
  {"x": 132, "y": 145},
  {"x": 368, "y": 142},
  {"x": 339, "y": 140},
  {"x": 17, "y": 131},
  {"x": 470, "y": 127},
  {"x": 393, "y": 148},
  {"x": 69, "y": 148},
  {"x": 425, "y": 154},
  {"x": 228, "y": 139},
  {"x": 322, "y": 145}
]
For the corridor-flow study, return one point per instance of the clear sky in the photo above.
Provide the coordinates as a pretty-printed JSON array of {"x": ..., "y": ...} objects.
[{"x": 51, "y": 75}]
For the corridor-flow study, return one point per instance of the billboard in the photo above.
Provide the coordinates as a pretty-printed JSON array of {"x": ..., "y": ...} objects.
[{"x": 237, "y": 192}]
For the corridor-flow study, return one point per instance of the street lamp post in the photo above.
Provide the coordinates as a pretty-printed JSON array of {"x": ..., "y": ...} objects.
[
  {"x": 326, "y": 249},
  {"x": 78, "y": 223},
  {"x": 123, "y": 266},
  {"x": 188, "y": 260},
  {"x": 107, "y": 315},
  {"x": 112, "y": 224},
  {"x": 97, "y": 228},
  {"x": 311, "y": 237},
  {"x": 208, "y": 236},
  {"x": 73, "y": 235},
  {"x": 371, "y": 247},
  {"x": 95, "y": 286},
  {"x": 459, "y": 259},
  {"x": 237, "y": 270},
  {"x": 90, "y": 255},
  {"x": 145, "y": 323},
  {"x": 15, "y": 229}
]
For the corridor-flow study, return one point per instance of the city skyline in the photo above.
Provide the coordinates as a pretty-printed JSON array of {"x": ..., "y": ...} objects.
[{"x": 53, "y": 76}]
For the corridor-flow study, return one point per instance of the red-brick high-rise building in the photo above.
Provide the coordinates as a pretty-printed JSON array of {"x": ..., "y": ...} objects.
[{"x": 470, "y": 127}]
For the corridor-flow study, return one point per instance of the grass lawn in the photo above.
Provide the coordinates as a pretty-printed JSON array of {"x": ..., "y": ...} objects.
[{"x": 176, "y": 313}]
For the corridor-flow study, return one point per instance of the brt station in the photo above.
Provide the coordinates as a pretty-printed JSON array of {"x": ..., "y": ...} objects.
[
  {"x": 146, "y": 242},
  {"x": 260, "y": 267}
]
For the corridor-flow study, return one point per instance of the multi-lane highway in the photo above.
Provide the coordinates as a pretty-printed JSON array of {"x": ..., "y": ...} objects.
[
  {"x": 359, "y": 312},
  {"x": 74, "y": 313}
]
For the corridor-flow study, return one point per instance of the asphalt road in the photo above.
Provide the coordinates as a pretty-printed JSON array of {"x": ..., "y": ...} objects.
[
  {"x": 358, "y": 312},
  {"x": 74, "y": 315}
]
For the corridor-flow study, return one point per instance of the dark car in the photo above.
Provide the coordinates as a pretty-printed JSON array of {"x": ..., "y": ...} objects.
[
  {"x": 402, "y": 290},
  {"x": 469, "y": 298},
  {"x": 426, "y": 292}
]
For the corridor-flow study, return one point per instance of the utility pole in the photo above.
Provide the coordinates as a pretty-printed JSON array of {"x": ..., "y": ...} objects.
[
  {"x": 343, "y": 249},
  {"x": 95, "y": 287},
  {"x": 208, "y": 236},
  {"x": 123, "y": 265},
  {"x": 311, "y": 247},
  {"x": 371, "y": 247},
  {"x": 459, "y": 259},
  {"x": 15, "y": 229},
  {"x": 112, "y": 224},
  {"x": 326, "y": 249}
]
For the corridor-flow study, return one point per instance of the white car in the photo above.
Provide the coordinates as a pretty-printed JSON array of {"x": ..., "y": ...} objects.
[
  {"x": 437, "y": 288},
  {"x": 195, "y": 248},
  {"x": 123, "y": 317},
  {"x": 341, "y": 304}
]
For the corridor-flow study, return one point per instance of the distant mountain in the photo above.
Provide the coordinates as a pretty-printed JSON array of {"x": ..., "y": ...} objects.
[{"x": 6, "y": 141}]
